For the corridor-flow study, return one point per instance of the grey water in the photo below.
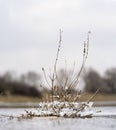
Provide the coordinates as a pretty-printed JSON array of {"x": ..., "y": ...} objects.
[{"x": 105, "y": 119}]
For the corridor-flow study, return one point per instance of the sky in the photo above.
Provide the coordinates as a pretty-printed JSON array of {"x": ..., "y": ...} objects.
[{"x": 29, "y": 34}]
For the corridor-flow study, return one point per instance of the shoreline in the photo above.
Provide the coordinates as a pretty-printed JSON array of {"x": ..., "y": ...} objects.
[
  {"x": 104, "y": 103},
  {"x": 35, "y": 105}
]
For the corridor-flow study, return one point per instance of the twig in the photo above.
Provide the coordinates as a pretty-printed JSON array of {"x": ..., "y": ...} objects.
[
  {"x": 85, "y": 54},
  {"x": 54, "y": 76},
  {"x": 93, "y": 95},
  {"x": 45, "y": 77},
  {"x": 57, "y": 54}
]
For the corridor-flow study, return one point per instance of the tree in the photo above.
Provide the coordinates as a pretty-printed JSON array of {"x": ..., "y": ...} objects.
[
  {"x": 110, "y": 79},
  {"x": 31, "y": 78},
  {"x": 9, "y": 76},
  {"x": 93, "y": 81}
]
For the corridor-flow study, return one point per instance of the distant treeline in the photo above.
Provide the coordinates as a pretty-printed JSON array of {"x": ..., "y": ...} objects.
[
  {"x": 25, "y": 85},
  {"x": 107, "y": 83},
  {"x": 29, "y": 84}
]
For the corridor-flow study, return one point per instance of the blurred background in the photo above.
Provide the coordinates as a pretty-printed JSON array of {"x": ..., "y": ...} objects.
[{"x": 29, "y": 36}]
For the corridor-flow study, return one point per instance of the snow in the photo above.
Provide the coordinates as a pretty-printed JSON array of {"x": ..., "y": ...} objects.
[
  {"x": 50, "y": 123},
  {"x": 63, "y": 109}
]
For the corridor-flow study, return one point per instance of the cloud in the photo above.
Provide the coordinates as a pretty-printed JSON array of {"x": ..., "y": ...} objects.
[{"x": 32, "y": 27}]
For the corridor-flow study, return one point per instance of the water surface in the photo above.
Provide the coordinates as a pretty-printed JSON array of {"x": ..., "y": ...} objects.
[{"x": 105, "y": 120}]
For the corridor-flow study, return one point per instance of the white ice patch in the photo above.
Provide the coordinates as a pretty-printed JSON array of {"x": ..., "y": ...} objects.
[{"x": 63, "y": 109}]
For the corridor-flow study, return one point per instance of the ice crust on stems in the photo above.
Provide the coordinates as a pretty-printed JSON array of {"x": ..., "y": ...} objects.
[{"x": 62, "y": 109}]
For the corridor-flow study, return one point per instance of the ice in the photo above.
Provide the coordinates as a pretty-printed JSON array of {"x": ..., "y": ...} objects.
[
  {"x": 105, "y": 120},
  {"x": 63, "y": 109}
]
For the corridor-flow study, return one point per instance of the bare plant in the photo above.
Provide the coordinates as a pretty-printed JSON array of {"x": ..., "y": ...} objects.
[
  {"x": 65, "y": 108},
  {"x": 70, "y": 82}
]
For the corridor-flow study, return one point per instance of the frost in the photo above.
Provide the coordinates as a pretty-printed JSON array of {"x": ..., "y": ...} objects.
[{"x": 62, "y": 109}]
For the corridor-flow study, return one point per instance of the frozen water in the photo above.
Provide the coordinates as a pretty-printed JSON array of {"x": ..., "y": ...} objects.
[{"x": 105, "y": 121}]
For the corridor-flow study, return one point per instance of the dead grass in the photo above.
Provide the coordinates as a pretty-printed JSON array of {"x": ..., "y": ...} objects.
[
  {"x": 16, "y": 98},
  {"x": 98, "y": 97},
  {"x": 84, "y": 97}
]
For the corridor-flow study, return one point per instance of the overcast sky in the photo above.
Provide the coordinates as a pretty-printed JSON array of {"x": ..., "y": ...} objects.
[{"x": 29, "y": 33}]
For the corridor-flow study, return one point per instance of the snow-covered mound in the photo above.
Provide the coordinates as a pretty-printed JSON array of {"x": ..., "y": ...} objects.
[{"x": 62, "y": 109}]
